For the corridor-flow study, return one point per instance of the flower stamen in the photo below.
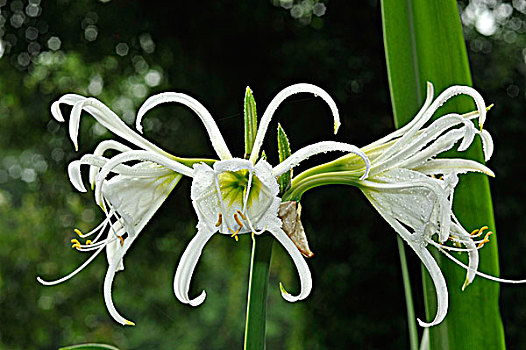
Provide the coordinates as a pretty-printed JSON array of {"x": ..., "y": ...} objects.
[
  {"x": 122, "y": 240},
  {"x": 219, "y": 220},
  {"x": 478, "y": 232},
  {"x": 242, "y": 216},
  {"x": 486, "y": 239},
  {"x": 76, "y": 243}
]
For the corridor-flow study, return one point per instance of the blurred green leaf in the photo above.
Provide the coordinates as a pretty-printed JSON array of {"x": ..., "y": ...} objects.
[
  {"x": 424, "y": 42},
  {"x": 90, "y": 346}
]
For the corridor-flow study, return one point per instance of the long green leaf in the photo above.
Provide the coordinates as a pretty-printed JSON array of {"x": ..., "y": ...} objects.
[
  {"x": 90, "y": 346},
  {"x": 424, "y": 42}
]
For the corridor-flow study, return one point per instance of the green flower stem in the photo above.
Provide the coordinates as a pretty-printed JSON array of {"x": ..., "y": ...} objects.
[
  {"x": 257, "y": 292},
  {"x": 320, "y": 179},
  {"x": 413, "y": 332}
]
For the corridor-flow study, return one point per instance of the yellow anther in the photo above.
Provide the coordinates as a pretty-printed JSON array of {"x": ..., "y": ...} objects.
[
  {"x": 238, "y": 221},
  {"x": 486, "y": 239},
  {"x": 88, "y": 242},
  {"x": 219, "y": 220},
  {"x": 234, "y": 233},
  {"x": 474, "y": 232},
  {"x": 242, "y": 216},
  {"x": 75, "y": 241},
  {"x": 76, "y": 246},
  {"x": 483, "y": 228},
  {"x": 122, "y": 240},
  {"x": 78, "y": 232}
]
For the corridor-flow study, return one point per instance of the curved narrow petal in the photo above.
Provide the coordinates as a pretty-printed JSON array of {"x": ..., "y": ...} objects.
[
  {"x": 75, "y": 175},
  {"x": 458, "y": 165},
  {"x": 187, "y": 265},
  {"x": 399, "y": 132},
  {"x": 299, "y": 261},
  {"x": 211, "y": 127},
  {"x": 100, "y": 150},
  {"x": 423, "y": 139},
  {"x": 113, "y": 267},
  {"x": 317, "y": 148},
  {"x": 69, "y": 99},
  {"x": 439, "y": 101},
  {"x": 276, "y": 101},
  {"x": 137, "y": 155},
  {"x": 473, "y": 254},
  {"x": 418, "y": 245},
  {"x": 105, "y": 116},
  {"x": 487, "y": 144},
  {"x": 442, "y": 144}
]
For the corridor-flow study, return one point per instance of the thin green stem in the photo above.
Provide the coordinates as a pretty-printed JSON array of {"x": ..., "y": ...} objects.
[
  {"x": 258, "y": 292},
  {"x": 413, "y": 332}
]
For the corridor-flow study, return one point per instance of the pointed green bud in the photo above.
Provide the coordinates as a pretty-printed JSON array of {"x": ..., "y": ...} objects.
[
  {"x": 251, "y": 122},
  {"x": 284, "y": 153}
]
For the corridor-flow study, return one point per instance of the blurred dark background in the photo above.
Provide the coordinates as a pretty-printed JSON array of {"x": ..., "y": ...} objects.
[{"x": 123, "y": 51}]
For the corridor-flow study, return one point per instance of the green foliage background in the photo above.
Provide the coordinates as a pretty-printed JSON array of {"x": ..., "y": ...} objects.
[{"x": 212, "y": 50}]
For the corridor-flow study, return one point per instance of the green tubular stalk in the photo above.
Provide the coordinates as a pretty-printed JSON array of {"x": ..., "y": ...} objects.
[
  {"x": 258, "y": 292},
  {"x": 424, "y": 42}
]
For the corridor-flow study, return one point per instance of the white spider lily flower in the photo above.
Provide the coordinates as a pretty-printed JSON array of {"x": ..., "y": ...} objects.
[
  {"x": 413, "y": 190},
  {"x": 404, "y": 187},
  {"x": 233, "y": 197}
]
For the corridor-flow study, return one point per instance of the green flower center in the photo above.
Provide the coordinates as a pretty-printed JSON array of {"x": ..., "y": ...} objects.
[{"x": 234, "y": 186}]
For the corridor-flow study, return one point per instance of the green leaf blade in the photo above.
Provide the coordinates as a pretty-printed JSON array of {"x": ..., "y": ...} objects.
[
  {"x": 284, "y": 153},
  {"x": 424, "y": 42},
  {"x": 251, "y": 121}
]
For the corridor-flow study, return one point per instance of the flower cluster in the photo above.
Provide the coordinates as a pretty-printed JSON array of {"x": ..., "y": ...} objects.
[{"x": 231, "y": 195}]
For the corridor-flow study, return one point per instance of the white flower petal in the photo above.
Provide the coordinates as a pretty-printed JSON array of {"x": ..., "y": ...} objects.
[
  {"x": 100, "y": 150},
  {"x": 432, "y": 267},
  {"x": 137, "y": 199},
  {"x": 459, "y": 166},
  {"x": 442, "y": 144},
  {"x": 401, "y": 131},
  {"x": 69, "y": 99},
  {"x": 439, "y": 101},
  {"x": 137, "y": 155},
  {"x": 299, "y": 261},
  {"x": 211, "y": 127},
  {"x": 276, "y": 101},
  {"x": 487, "y": 144},
  {"x": 105, "y": 116},
  {"x": 75, "y": 176},
  {"x": 317, "y": 148},
  {"x": 187, "y": 265},
  {"x": 469, "y": 135},
  {"x": 407, "y": 180},
  {"x": 113, "y": 267}
]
